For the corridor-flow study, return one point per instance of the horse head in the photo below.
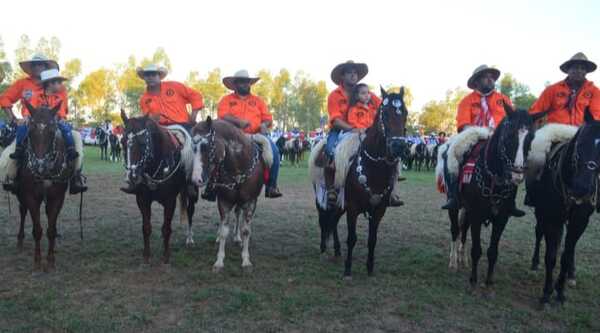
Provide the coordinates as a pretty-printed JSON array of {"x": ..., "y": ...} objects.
[
  {"x": 391, "y": 121},
  {"x": 42, "y": 128},
  {"x": 209, "y": 151},
  {"x": 509, "y": 146},
  {"x": 138, "y": 140},
  {"x": 585, "y": 159}
]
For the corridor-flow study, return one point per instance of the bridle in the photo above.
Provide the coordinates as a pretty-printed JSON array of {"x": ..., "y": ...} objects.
[{"x": 52, "y": 165}]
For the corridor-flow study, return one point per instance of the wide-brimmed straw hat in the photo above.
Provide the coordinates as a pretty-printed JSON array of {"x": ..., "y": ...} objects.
[
  {"x": 338, "y": 71},
  {"x": 37, "y": 58},
  {"x": 162, "y": 71},
  {"x": 51, "y": 74},
  {"x": 241, "y": 74},
  {"x": 479, "y": 71},
  {"x": 578, "y": 58}
]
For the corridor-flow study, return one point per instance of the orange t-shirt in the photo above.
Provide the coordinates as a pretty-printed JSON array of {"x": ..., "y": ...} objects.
[
  {"x": 555, "y": 100},
  {"x": 171, "y": 103},
  {"x": 28, "y": 89},
  {"x": 338, "y": 104},
  {"x": 361, "y": 115},
  {"x": 470, "y": 111},
  {"x": 249, "y": 108}
]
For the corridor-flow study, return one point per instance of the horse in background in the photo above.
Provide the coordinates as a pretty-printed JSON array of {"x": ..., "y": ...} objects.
[
  {"x": 293, "y": 148},
  {"x": 115, "y": 147},
  {"x": 418, "y": 152},
  {"x": 102, "y": 138}
]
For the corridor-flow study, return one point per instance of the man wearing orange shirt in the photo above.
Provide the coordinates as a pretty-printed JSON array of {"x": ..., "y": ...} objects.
[
  {"x": 249, "y": 113},
  {"x": 484, "y": 107},
  {"x": 564, "y": 103},
  {"x": 166, "y": 102}
]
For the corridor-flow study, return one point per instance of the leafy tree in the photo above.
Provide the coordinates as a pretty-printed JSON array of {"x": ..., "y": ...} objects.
[
  {"x": 211, "y": 88},
  {"x": 97, "y": 94}
]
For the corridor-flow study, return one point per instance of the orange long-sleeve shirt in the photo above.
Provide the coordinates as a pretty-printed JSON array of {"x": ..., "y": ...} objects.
[
  {"x": 338, "y": 104},
  {"x": 171, "y": 103},
  {"x": 361, "y": 115},
  {"x": 250, "y": 108},
  {"x": 470, "y": 111},
  {"x": 28, "y": 89},
  {"x": 556, "y": 100}
]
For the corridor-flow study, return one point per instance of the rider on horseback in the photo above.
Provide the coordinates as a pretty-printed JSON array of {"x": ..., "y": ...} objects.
[
  {"x": 484, "y": 107},
  {"x": 564, "y": 103},
  {"x": 346, "y": 76},
  {"x": 249, "y": 113},
  {"x": 43, "y": 87},
  {"x": 166, "y": 102}
]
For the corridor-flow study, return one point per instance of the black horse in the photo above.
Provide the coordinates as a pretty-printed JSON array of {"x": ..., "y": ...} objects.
[
  {"x": 567, "y": 192},
  {"x": 102, "y": 139},
  {"x": 115, "y": 148},
  {"x": 420, "y": 156},
  {"x": 489, "y": 196},
  {"x": 280, "y": 143}
]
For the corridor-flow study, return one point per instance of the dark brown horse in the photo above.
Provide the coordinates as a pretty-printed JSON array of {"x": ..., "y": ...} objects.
[
  {"x": 567, "y": 194},
  {"x": 156, "y": 166},
  {"x": 371, "y": 177},
  {"x": 43, "y": 177},
  {"x": 230, "y": 162}
]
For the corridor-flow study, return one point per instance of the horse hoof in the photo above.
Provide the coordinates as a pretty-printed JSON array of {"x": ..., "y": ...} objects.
[
  {"x": 453, "y": 268},
  {"x": 37, "y": 274},
  {"x": 217, "y": 269},
  {"x": 165, "y": 267},
  {"x": 348, "y": 278},
  {"x": 189, "y": 243},
  {"x": 572, "y": 283},
  {"x": 334, "y": 259},
  {"x": 247, "y": 269}
]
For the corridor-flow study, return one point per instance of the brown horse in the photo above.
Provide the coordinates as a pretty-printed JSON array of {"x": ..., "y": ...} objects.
[
  {"x": 158, "y": 168},
  {"x": 43, "y": 177},
  {"x": 229, "y": 161},
  {"x": 371, "y": 178}
]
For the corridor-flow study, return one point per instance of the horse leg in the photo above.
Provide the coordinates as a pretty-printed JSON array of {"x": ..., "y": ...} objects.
[
  {"x": 475, "y": 222},
  {"x": 372, "y": 242},
  {"x": 224, "y": 212},
  {"x": 53, "y": 208},
  {"x": 552, "y": 230},
  {"x": 454, "y": 232},
  {"x": 248, "y": 209},
  {"x": 577, "y": 225},
  {"x": 336, "y": 240},
  {"x": 237, "y": 238},
  {"x": 323, "y": 225},
  {"x": 34, "y": 211},
  {"x": 168, "y": 212},
  {"x": 535, "y": 260},
  {"x": 191, "y": 208},
  {"x": 21, "y": 234},
  {"x": 144, "y": 204},
  {"x": 351, "y": 217},
  {"x": 463, "y": 256},
  {"x": 498, "y": 226}
]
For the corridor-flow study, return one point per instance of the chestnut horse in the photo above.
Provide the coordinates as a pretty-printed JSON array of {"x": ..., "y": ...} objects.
[
  {"x": 229, "y": 161},
  {"x": 370, "y": 180},
  {"x": 159, "y": 169},
  {"x": 43, "y": 177}
]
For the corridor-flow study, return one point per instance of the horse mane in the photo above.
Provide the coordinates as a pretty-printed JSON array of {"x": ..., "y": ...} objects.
[{"x": 228, "y": 131}]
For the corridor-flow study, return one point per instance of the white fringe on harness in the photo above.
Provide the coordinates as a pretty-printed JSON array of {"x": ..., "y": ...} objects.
[
  {"x": 542, "y": 143},
  {"x": 462, "y": 143}
]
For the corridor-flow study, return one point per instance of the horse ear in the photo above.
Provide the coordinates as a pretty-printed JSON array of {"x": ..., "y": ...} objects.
[
  {"x": 383, "y": 92},
  {"x": 508, "y": 109},
  {"x": 208, "y": 121},
  {"x": 30, "y": 107},
  {"x": 402, "y": 92},
  {"x": 537, "y": 116},
  {"x": 124, "y": 116},
  {"x": 587, "y": 115},
  {"x": 55, "y": 109}
]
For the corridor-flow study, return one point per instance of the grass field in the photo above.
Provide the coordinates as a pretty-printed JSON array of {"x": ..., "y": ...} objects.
[{"x": 101, "y": 286}]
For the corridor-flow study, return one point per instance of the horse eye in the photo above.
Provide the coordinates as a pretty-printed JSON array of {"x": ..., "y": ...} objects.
[
  {"x": 385, "y": 102},
  {"x": 397, "y": 103}
]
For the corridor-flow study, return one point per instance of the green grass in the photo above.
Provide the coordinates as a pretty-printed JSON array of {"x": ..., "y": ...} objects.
[{"x": 100, "y": 284}]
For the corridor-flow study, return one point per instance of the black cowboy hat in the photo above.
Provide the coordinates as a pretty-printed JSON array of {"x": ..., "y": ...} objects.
[
  {"x": 361, "y": 68},
  {"x": 480, "y": 71},
  {"x": 578, "y": 58}
]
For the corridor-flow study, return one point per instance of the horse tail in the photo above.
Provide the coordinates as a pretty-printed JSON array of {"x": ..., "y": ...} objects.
[{"x": 439, "y": 168}]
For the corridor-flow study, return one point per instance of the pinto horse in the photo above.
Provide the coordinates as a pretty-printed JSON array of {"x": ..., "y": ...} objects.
[
  {"x": 102, "y": 143},
  {"x": 159, "y": 168},
  {"x": 43, "y": 177},
  {"x": 229, "y": 161},
  {"x": 567, "y": 192},
  {"x": 488, "y": 197},
  {"x": 370, "y": 179}
]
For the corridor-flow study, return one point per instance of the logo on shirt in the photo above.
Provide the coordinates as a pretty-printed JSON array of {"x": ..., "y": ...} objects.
[
  {"x": 252, "y": 103},
  {"x": 148, "y": 101},
  {"x": 476, "y": 105},
  {"x": 170, "y": 92},
  {"x": 500, "y": 102},
  {"x": 561, "y": 94},
  {"x": 587, "y": 94},
  {"x": 342, "y": 103},
  {"x": 27, "y": 94},
  {"x": 360, "y": 114},
  {"x": 232, "y": 104}
]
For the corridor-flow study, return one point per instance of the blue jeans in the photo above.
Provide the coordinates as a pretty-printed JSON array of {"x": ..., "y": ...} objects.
[
  {"x": 64, "y": 127},
  {"x": 332, "y": 140},
  {"x": 274, "y": 172}
]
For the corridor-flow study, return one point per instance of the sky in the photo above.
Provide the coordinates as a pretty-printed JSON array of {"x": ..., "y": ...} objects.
[{"x": 429, "y": 46}]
